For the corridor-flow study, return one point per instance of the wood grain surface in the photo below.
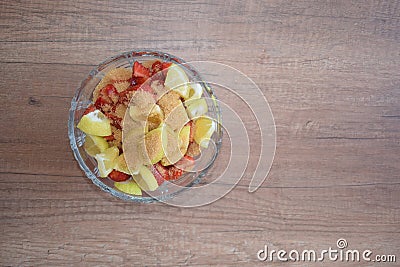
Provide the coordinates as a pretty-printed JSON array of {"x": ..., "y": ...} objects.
[{"x": 329, "y": 69}]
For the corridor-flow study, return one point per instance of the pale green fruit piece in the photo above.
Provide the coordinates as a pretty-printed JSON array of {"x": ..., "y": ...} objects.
[
  {"x": 129, "y": 187},
  {"x": 95, "y": 123},
  {"x": 106, "y": 160},
  {"x": 145, "y": 179},
  {"x": 196, "y": 107}
]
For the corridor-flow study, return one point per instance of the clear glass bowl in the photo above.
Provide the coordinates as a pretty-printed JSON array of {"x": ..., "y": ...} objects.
[{"x": 83, "y": 98}]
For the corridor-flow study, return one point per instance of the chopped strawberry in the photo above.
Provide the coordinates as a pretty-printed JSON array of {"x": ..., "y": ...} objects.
[
  {"x": 89, "y": 109},
  {"x": 159, "y": 177},
  {"x": 111, "y": 92},
  {"x": 165, "y": 65},
  {"x": 109, "y": 138},
  {"x": 139, "y": 80},
  {"x": 156, "y": 67},
  {"x": 168, "y": 173},
  {"x": 140, "y": 71},
  {"x": 118, "y": 176}
]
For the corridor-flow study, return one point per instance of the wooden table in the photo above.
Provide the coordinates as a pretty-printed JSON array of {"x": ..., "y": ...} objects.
[{"x": 330, "y": 71}]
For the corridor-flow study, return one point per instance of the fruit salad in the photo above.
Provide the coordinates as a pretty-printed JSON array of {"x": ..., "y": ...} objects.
[{"x": 146, "y": 125}]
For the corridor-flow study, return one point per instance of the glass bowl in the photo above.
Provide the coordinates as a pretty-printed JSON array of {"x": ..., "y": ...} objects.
[{"x": 83, "y": 98}]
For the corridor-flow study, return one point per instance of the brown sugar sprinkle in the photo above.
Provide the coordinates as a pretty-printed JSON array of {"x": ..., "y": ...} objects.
[
  {"x": 169, "y": 101},
  {"x": 121, "y": 86},
  {"x": 119, "y": 74},
  {"x": 120, "y": 110},
  {"x": 117, "y": 134}
]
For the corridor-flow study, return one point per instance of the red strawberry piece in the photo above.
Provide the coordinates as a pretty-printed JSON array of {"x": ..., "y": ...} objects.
[
  {"x": 140, "y": 71},
  {"x": 156, "y": 67},
  {"x": 111, "y": 92},
  {"x": 159, "y": 177},
  {"x": 118, "y": 176},
  {"x": 109, "y": 138},
  {"x": 165, "y": 65},
  {"x": 89, "y": 109}
]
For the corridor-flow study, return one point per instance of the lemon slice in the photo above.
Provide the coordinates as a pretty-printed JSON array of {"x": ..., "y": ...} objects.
[
  {"x": 204, "y": 128},
  {"x": 195, "y": 91},
  {"x": 95, "y": 123},
  {"x": 177, "y": 80},
  {"x": 196, "y": 107},
  {"x": 129, "y": 187},
  {"x": 94, "y": 144},
  {"x": 106, "y": 160}
]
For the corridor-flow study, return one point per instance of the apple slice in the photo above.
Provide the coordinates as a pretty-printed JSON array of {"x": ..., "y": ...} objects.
[
  {"x": 184, "y": 136},
  {"x": 155, "y": 142},
  {"x": 129, "y": 187},
  {"x": 120, "y": 164},
  {"x": 172, "y": 150}
]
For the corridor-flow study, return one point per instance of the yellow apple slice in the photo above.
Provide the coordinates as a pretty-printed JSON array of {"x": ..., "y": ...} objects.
[{"x": 155, "y": 142}]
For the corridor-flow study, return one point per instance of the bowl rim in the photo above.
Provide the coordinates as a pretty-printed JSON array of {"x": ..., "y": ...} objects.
[{"x": 71, "y": 127}]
